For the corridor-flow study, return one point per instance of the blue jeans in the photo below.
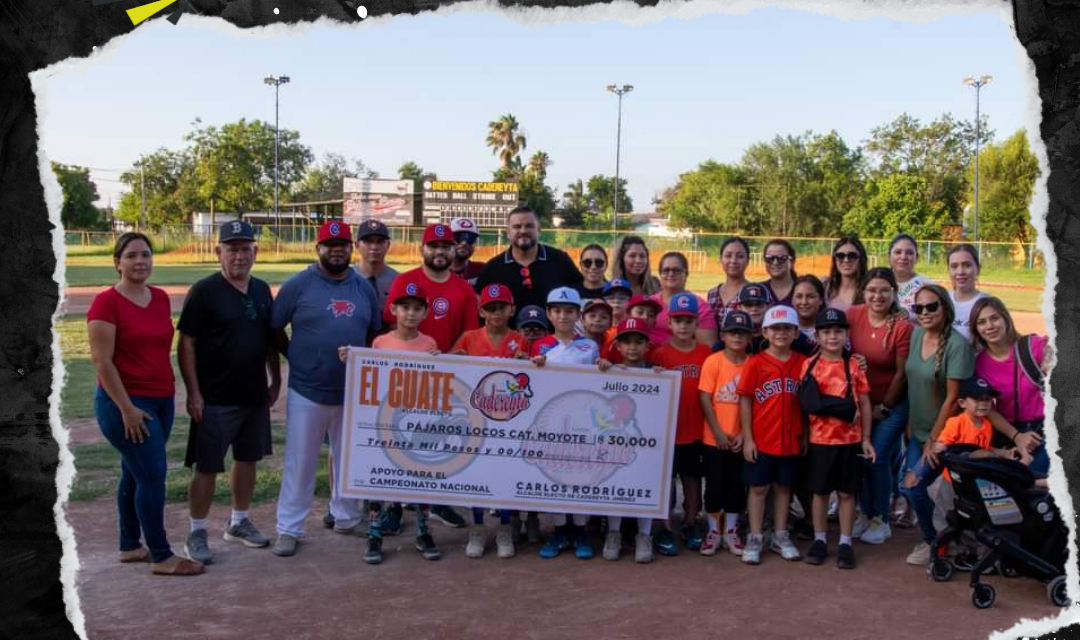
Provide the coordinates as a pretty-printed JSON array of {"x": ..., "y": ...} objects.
[
  {"x": 877, "y": 489},
  {"x": 140, "y": 499},
  {"x": 1040, "y": 459},
  {"x": 918, "y": 496}
]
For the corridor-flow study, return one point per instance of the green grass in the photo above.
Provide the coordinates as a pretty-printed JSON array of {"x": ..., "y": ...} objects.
[{"x": 103, "y": 275}]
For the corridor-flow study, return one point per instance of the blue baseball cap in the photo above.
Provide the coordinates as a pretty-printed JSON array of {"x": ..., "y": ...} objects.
[
  {"x": 618, "y": 283},
  {"x": 531, "y": 314},
  {"x": 683, "y": 304}
]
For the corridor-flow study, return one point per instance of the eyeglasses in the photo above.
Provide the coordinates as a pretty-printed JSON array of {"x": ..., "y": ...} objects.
[
  {"x": 849, "y": 256},
  {"x": 466, "y": 237},
  {"x": 250, "y": 312},
  {"x": 526, "y": 278},
  {"x": 672, "y": 271},
  {"x": 590, "y": 263},
  {"x": 776, "y": 259},
  {"x": 930, "y": 307}
]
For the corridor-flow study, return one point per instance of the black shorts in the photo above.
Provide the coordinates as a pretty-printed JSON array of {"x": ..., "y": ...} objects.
[
  {"x": 724, "y": 488},
  {"x": 245, "y": 429},
  {"x": 769, "y": 469},
  {"x": 835, "y": 467},
  {"x": 689, "y": 460}
]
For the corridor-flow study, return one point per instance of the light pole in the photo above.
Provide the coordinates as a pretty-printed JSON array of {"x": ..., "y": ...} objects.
[
  {"x": 277, "y": 82},
  {"x": 619, "y": 91},
  {"x": 978, "y": 83}
]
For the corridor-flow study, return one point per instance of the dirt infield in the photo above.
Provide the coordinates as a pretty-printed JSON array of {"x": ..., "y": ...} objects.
[{"x": 326, "y": 591}]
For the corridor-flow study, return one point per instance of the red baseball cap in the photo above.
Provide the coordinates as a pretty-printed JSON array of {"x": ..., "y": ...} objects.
[
  {"x": 631, "y": 326},
  {"x": 438, "y": 233},
  {"x": 495, "y": 293},
  {"x": 640, "y": 300},
  {"x": 332, "y": 230},
  {"x": 401, "y": 290}
]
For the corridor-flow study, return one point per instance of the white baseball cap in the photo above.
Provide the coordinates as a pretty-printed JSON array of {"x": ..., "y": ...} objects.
[
  {"x": 564, "y": 295},
  {"x": 464, "y": 225},
  {"x": 780, "y": 314}
]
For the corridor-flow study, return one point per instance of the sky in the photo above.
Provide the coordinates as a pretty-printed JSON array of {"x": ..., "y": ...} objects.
[{"x": 425, "y": 88}]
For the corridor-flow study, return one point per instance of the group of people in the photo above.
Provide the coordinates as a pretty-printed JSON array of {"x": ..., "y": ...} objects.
[{"x": 837, "y": 392}]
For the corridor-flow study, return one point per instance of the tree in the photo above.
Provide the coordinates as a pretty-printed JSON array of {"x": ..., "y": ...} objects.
[
  {"x": 506, "y": 140},
  {"x": 896, "y": 203},
  {"x": 325, "y": 180},
  {"x": 713, "y": 197},
  {"x": 574, "y": 205},
  {"x": 80, "y": 192},
  {"x": 538, "y": 165},
  {"x": 167, "y": 178},
  {"x": 1007, "y": 174},
  {"x": 409, "y": 170}
]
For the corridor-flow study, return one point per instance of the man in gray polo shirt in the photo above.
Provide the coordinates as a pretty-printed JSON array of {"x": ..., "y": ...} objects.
[{"x": 372, "y": 243}]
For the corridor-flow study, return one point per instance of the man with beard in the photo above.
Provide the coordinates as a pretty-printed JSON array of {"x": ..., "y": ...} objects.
[
  {"x": 226, "y": 347},
  {"x": 530, "y": 269},
  {"x": 328, "y": 305},
  {"x": 373, "y": 242},
  {"x": 466, "y": 234}
]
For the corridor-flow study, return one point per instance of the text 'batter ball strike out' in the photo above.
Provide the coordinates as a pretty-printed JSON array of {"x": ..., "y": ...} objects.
[{"x": 408, "y": 389}]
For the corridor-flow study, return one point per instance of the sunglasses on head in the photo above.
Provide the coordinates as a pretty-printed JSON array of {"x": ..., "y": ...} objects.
[
  {"x": 590, "y": 263},
  {"x": 930, "y": 307},
  {"x": 466, "y": 237},
  {"x": 848, "y": 256},
  {"x": 526, "y": 278},
  {"x": 776, "y": 259}
]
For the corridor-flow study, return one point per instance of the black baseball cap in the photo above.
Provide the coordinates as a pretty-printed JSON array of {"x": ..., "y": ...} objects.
[
  {"x": 735, "y": 320},
  {"x": 372, "y": 227},
  {"x": 831, "y": 318},
  {"x": 236, "y": 230},
  {"x": 976, "y": 387},
  {"x": 753, "y": 293},
  {"x": 532, "y": 314}
]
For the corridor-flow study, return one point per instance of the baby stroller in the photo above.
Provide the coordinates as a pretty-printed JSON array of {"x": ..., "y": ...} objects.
[{"x": 997, "y": 503}]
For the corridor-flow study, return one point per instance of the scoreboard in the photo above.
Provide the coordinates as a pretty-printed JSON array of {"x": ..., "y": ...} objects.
[{"x": 487, "y": 203}]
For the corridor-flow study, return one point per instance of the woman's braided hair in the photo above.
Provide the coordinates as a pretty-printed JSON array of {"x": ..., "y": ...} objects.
[{"x": 945, "y": 332}]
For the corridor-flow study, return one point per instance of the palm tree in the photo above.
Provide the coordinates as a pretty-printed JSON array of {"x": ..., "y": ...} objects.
[
  {"x": 505, "y": 139},
  {"x": 538, "y": 164}
]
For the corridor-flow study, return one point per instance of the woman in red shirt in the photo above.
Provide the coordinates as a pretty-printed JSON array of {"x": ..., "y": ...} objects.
[{"x": 131, "y": 335}]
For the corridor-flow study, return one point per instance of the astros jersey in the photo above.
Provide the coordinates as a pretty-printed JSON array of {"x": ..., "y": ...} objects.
[
  {"x": 689, "y": 363},
  {"x": 452, "y": 308},
  {"x": 478, "y": 343},
  {"x": 577, "y": 351},
  {"x": 773, "y": 388}
]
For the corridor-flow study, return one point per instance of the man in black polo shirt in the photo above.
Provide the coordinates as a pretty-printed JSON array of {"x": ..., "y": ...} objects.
[
  {"x": 530, "y": 269},
  {"x": 226, "y": 347}
]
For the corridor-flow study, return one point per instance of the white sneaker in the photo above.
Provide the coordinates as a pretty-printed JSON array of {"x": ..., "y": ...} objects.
[
  {"x": 877, "y": 532},
  {"x": 920, "y": 556},
  {"x": 504, "y": 541},
  {"x": 477, "y": 541},
  {"x": 785, "y": 547},
  {"x": 612, "y": 543},
  {"x": 713, "y": 543},
  {"x": 862, "y": 523},
  {"x": 834, "y": 506},
  {"x": 733, "y": 544},
  {"x": 643, "y": 552},
  {"x": 752, "y": 550}
]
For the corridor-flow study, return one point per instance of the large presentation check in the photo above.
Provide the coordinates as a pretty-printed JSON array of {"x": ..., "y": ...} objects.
[{"x": 496, "y": 433}]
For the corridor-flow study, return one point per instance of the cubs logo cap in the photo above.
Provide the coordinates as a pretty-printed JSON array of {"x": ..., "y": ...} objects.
[
  {"x": 236, "y": 230},
  {"x": 495, "y": 293},
  {"x": 618, "y": 284},
  {"x": 831, "y": 318},
  {"x": 402, "y": 290},
  {"x": 753, "y": 293},
  {"x": 780, "y": 315},
  {"x": 438, "y": 233},
  {"x": 640, "y": 300},
  {"x": 736, "y": 320},
  {"x": 464, "y": 225},
  {"x": 976, "y": 387},
  {"x": 531, "y": 315},
  {"x": 564, "y": 295},
  {"x": 372, "y": 227},
  {"x": 683, "y": 304},
  {"x": 632, "y": 326},
  {"x": 334, "y": 231}
]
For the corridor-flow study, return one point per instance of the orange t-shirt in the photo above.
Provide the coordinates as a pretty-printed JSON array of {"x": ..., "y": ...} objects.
[
  {"x": 391, "y": 342},
  {"x": 689, "y": 363},
  {"x": 477, "y": 343},
  {"x": 832, "y": 381},
  {"x": 962, "y": 429},
  {"x": 720, "y": 379},
  {"x": 773, "y": 387}
]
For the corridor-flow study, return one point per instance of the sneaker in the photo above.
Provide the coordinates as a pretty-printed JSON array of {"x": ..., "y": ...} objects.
[
  {"x": 373, "y": 555},
  {"x": 555, "y": 545},
  {"x": 713, "y": 542},
  {"x": 447, "y": 516},
  {"x": 845, "y": 557},
  {"x": 355, "y": 530},
  {"x": 752, "y": 550},
  {"x": 532, "y": 528},
  {"x": 612, "y": 545},
  {"x": 877, "y": 533},
  {"x": 803, "y": 530},
  {"x": 691, "y": 537},
  {"x": 643, "y": 546},
  {"x": 286, "y": 545},
  {"x": 834, "y": 507},
  {"x": 816, "y": 554},
  {"x": 583, "y": 548},
  {"x": 733, "y": 543},
  {"x": 785, "y": 547},
  {"x": 391, "y": 520},
  {"x": 504, "y": 541},
  {"x": 862, "y": 523},
  {"x": 425, "y": 544},
  {"x": 197, "y": 547},
  {"x": 477, "y": 540},
  {"x": 246, "y": 533},
  {"x": 666, "y": 544},
  {"x": 920, "y": 555},
  {"x": 328, "y": 520}
]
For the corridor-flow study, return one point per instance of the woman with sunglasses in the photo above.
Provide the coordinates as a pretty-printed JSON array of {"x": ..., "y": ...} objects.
[
  {"x": 734, "y": 258},
  {"x": 779, "y": 258},
  {"x": 593, "y": 264},
  {"x": 674, "y": 270},
  {"x": 130, "y": 331},
  {"x": 963, "y": 262},
  {"x": 632, "y": 265},
  {"x": 843, "y": 287},
  {"x": 903, "y": 254}
]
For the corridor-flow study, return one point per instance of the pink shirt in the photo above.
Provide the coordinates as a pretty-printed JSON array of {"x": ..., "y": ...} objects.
[
  {"x": 661, "y": 333},
  {"x": 390, "y": 342},
  {"x": 1001, "y": 375}
]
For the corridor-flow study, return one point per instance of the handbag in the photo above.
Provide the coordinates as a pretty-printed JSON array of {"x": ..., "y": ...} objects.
[{"x": 814, "y": 402}]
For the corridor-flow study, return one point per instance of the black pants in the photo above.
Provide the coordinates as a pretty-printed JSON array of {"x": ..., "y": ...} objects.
[{"x": 724, "y": 488}]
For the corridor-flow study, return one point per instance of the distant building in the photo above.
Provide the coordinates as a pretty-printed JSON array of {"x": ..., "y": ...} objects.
[{"x": 655, "y": 224}]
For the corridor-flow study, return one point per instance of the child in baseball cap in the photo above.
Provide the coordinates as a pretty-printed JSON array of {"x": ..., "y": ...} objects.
[
  {"x": 617, "y": 293},
  {"x": 596, "y": 319}
]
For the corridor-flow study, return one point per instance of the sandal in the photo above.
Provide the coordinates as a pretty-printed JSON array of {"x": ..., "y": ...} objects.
[
  {"x": 177, "y": 566},
  {"x": 140, "y": 554}
]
